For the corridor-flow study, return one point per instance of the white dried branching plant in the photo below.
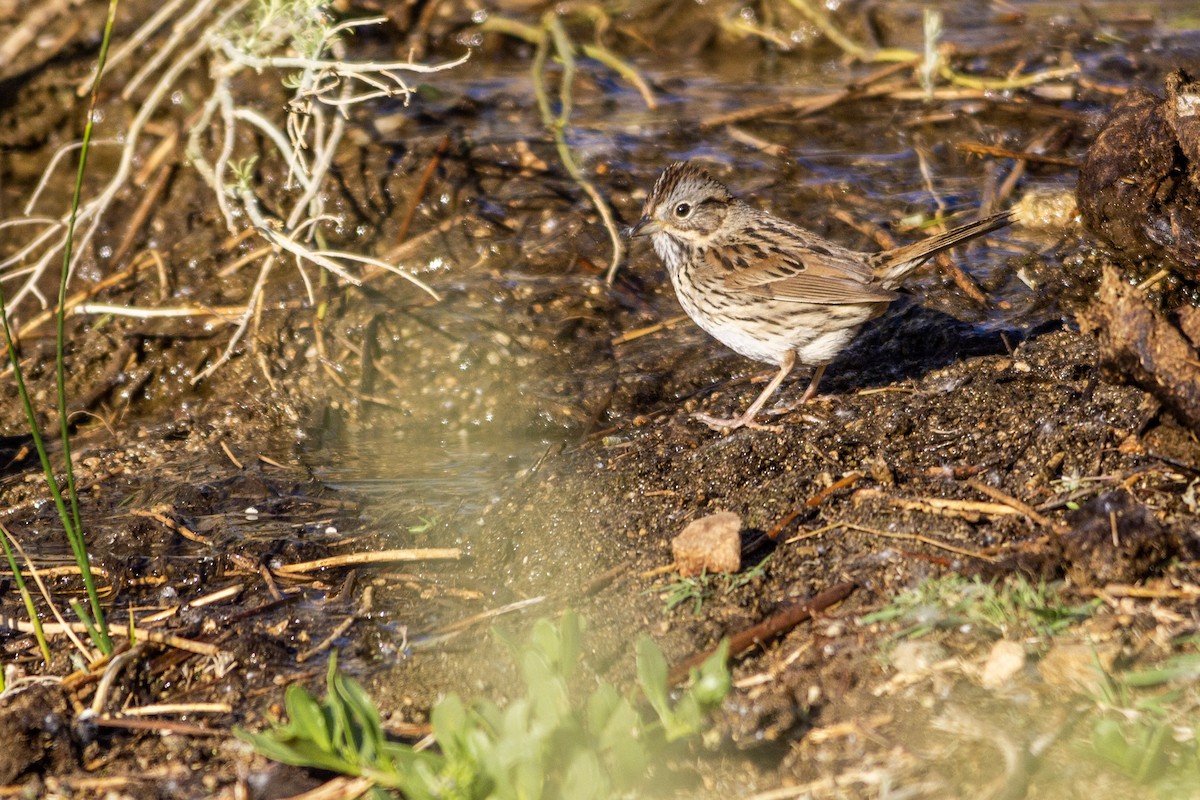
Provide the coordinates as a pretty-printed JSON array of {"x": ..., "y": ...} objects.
[{"x": 300, "y": 41}]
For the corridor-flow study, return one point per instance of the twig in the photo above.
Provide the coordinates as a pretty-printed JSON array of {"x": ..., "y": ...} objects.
[
  {"x": 422, "y": 187},
  {"x": 918, "y": 537},
  {"x": 192, "y": 646},
  {"x": 979, "y": 148},
  {"x": 177, "y": 708},
  {"x": 485, "y": 616},
  {"x": 970, "y": 510},
  {"x": 1020, "y": 505},
  {"x": 378, "y": 557},
  {"x": 223, "y": 312},
  {"x": 638, "y": 333},
  {"x": 767, "y": 629},
  {"x": 171, "y": 524},
  {"x": 844, "y": 482},
  {"x": 363, "y": 609}
]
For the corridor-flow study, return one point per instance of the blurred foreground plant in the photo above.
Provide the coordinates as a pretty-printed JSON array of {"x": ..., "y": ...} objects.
[{"x": 553, "y": 742}]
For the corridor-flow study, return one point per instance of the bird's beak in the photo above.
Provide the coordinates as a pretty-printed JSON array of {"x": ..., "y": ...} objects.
[{"x": 644, "y": 227}]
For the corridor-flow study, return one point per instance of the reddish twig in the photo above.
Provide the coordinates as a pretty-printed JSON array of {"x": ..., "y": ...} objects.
[{"x": 767, "y": 629}]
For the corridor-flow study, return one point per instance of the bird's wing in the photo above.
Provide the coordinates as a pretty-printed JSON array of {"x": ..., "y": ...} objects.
[{"x": 786, "y": 262}]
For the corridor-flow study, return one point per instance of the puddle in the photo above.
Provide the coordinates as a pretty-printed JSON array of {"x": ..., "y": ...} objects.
[{"x": 458, "y": 474}]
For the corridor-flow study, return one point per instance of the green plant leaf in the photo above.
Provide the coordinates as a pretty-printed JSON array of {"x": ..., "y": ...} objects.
[
  {"x": 652, "y": 676},
  {"x": 585, "y": 779},
  {"x": 711, "y": 681},
  {"x": 362, "y": 715},
  {"x": 550, "y": 743},
  {"x": 306, "y": 718}
]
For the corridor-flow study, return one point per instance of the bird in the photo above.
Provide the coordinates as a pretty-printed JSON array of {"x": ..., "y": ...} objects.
[{"x": 768, "y": 289}]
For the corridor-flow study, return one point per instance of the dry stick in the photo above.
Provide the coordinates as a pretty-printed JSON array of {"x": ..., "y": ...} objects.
[
  {"x": 747, "y": 138},
  {"x": 405, "y": 249},
  {"x": 1020, "y": 505},
  {"x": 226, "y": 314},
  {"x": 264, "y": 572},
  {"x": 378, "y": 557},
  {"x": 229, "y": 454},
  {"x": 605, "y": 578},
  {"x": 1186, "y": 591},
  {"x": 777, "y": 529},
  {"x": 844, "y": 482},
  {"x": 177, "y": 708},
  {"x": 208, "y": 599},
  {"x": 979, "y": 148},
  {"x": 1018, "y": 171},
  {"x": 422, "y": 188},
  {"x": 158, "y": 156},
  {"x": 917, "y": 537},
  {"x": 158, "y": 725},
  {"x": 66, "y": 570},
  {"x": 638, "y": 333},
  {"x": 171, "y": 524},
  {"x": 343, "y": 788},
  {"x": 148, "y": 204},
  {"x": 75, "y": 299},
  {"x": 116, "y": 664},
  {"x": 802, "y": 106},
  {"x": 364, "y": 608},
  {"x": 248, "y": 258},
  {"x": 970, "y": 510},
  {"x": 767, "y": 629},
  {"x": 484, "y": 616}
]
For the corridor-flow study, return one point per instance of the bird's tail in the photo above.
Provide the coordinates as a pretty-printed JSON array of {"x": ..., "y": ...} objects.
[{"x": 893, "y": 265}]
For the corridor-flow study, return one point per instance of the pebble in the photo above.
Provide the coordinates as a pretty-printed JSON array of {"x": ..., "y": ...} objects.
[{"x": 709, "y": 544}]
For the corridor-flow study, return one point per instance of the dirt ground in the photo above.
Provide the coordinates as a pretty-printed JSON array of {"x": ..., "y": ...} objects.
[{"x": 954, "y": 438}]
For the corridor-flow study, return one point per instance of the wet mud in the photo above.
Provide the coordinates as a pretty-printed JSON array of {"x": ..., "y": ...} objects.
[{"x": 537, "y": 421}]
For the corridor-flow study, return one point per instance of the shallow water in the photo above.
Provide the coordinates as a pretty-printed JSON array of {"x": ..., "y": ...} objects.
[
  {"x": 454, "y": 459},
  {"x": 459, "y": 472}
]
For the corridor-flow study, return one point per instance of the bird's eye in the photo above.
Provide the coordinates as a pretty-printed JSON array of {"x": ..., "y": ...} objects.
[{"x": 683, "y": 209}]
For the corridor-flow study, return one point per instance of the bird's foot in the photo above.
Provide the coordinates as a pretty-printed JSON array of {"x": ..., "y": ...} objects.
[
  {"x": 728, "y": 425},
  {"x": 795, "y": 405}
]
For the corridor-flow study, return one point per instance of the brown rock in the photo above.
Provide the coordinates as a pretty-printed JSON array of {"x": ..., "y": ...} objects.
[
  {"x": 1004, "y": 662},
  {"x": 1141, "y": 347},
  {"x": 1139, "y": 186},
  {"x": 709, "y": 544}
]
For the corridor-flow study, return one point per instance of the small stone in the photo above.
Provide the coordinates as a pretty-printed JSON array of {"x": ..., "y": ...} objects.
[
  {"x": 913, "y": 657},
  {"x": 1006, "y": 659},
  {"x": 709, "y": 544}
]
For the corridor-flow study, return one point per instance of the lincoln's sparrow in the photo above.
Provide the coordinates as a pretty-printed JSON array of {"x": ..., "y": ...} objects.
[{"x": 769, "y": 289}]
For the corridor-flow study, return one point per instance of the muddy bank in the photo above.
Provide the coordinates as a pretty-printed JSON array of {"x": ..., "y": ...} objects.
[{"x": 537, "y": 420}]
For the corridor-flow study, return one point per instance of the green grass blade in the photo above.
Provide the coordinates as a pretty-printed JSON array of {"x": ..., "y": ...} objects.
[
  {"x": 26, "y": 597},
  {"x": 76, "y": 529}
]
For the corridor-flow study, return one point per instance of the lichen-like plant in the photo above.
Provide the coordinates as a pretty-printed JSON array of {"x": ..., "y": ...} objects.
[{"x": 299, "y": 40}]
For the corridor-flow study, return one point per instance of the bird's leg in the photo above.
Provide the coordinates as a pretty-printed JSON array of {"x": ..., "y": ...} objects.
[
  {"x": 746, "y": 420},
  {"x": 811, "y": 391},
  {"x": 809, "y": 394}
]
